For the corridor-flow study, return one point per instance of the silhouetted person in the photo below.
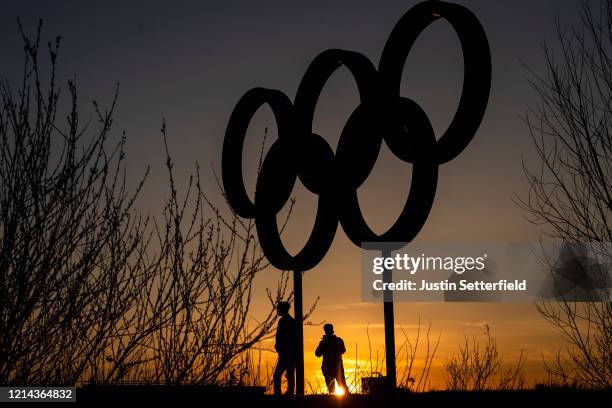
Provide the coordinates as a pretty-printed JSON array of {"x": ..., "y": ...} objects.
[
  {"x": 331, "y": 347},
  {"x": 286, "y": 341}
]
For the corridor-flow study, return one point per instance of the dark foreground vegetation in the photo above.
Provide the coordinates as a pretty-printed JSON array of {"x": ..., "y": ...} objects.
[{"x": 252, "y": 396}]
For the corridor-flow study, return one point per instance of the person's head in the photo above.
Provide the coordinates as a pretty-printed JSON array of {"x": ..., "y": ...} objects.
[
  {"x": 282, "y": 308},
  {"x": 328, "y": 328}
]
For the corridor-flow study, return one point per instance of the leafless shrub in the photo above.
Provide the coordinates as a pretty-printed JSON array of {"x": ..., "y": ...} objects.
[
  {"x": 68, "y": 230},
  {"x": 409, "y": 377},
  {"x": 90, "y": 289},
  {"x": 587, "y": 328},
  {"x": 478, "y": 368},
  {"x": 570, "y": 189},
  {"x": 409, "y": 352}
]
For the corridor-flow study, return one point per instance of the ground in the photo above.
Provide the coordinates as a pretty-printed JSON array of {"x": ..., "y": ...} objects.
[{"x": 211, "y": 397}]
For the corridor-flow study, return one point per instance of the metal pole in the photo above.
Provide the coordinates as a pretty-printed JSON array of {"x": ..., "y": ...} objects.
[
  {"x": 299, "y": 318},
  {"x": 389, "y": 328}
]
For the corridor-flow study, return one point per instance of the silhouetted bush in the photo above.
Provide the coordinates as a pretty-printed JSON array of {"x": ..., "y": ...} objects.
[
  {"x": 478, "y": 368},
  {"x": 571, "y": 187},
  {"x": 91, "y": 289}
]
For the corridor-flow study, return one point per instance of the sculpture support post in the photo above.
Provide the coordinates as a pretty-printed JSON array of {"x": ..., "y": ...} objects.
[
  {"x": 389, "y": 329},
  {"x": 336, "y": 175},
  {"x": 299, "y": 318}
]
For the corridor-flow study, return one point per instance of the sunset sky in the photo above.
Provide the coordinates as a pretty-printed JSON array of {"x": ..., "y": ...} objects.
[{"x": 190, "y": 62}]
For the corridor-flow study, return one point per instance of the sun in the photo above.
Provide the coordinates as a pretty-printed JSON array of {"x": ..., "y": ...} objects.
[{"x": 339, "y": 391}]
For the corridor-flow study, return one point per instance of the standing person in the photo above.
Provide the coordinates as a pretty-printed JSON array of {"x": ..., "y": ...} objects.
[
  {"x": 285, "y": 346},
  {"x": 331, "y": 349}
]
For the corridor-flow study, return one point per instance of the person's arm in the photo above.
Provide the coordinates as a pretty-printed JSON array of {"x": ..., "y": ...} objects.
[
  {"x": 341, "y": 348},
  {"x": 278, "y": 336},
  {"x": 281, "y": 336},
  {"x": 319, "y": 350}
]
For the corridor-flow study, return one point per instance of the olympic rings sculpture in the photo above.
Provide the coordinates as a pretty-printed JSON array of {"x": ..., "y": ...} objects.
[{"x": 383, "y": 114}]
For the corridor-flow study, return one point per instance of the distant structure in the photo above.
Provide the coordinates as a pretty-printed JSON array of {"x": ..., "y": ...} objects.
[{"x": 382, "y": 115}]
